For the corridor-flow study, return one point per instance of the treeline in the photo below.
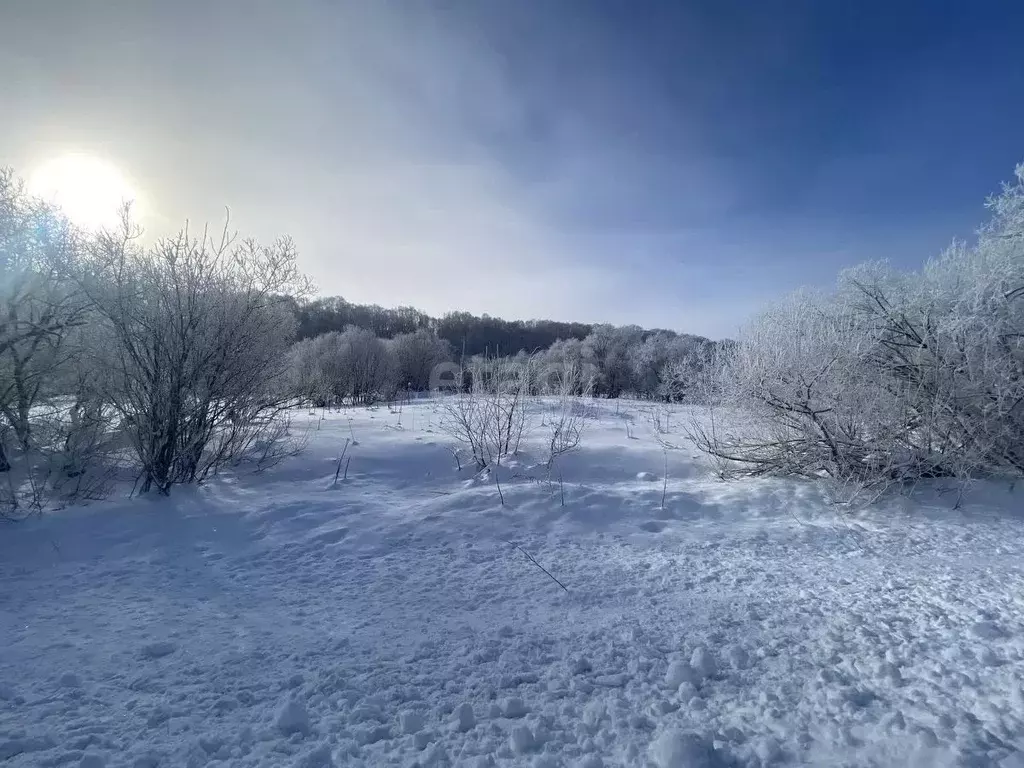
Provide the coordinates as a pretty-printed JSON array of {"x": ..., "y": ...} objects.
[
  {"x": 363, "y": 353},
  {"x": 468, "y": 334},
  {"x": 357, "y": 366}
]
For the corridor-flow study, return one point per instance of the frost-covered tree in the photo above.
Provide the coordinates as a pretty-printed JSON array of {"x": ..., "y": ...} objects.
[
  {"x": 306, "y": 377},
  {"x": 647, "y": 360},
  {"x": 688, "y": 376},
  {"x": 565, "y": 361},
  {"x": 57, "y": 443},
  {"x": 608, "y": 347},
  {"x": 368, "y": 365},
  {"x": 416, "y": 356},
  {"x": 352, "y": 366},
  {"x": 659, "y": 363},
  {"x": 40, "y": 306}
]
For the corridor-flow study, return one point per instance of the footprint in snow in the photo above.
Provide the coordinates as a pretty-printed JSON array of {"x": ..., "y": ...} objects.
[
  {"x": 332, "y": 536},
  {"x": 653, "y": 526},
  {"x": 158, "y": 649}
]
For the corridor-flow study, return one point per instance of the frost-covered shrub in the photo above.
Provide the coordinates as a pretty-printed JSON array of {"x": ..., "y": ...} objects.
[
  {"x": 798, "y": 372},
  {"x": 893, "y": 377},
  {"x": 352, "y": 366},
  {"x": 569, "y": 414},
  {"x": 489, "y": 417},
  {"x": 194, "y": 336}
]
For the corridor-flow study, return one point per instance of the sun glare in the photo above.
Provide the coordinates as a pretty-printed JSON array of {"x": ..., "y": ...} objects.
[{"x": 89, "y": 190}]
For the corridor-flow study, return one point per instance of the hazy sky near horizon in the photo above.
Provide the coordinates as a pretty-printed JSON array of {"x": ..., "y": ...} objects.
[{"x": 670, "y": 164}]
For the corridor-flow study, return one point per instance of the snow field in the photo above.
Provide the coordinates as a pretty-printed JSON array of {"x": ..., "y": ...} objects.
[{"x": 279, "y": 620}]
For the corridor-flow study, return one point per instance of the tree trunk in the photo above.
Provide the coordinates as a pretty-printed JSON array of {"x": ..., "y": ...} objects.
[
  {"x": 20, "y": 416},
  {"x": 5, "y": 465},
  {"x": 23, "y": 426}
]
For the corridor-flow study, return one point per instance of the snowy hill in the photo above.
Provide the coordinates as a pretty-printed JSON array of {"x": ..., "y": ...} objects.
[{"x": 402, "y": 616}]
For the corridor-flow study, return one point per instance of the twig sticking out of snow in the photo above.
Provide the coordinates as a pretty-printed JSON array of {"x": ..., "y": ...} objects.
[
  {"x": 497, "y": 480},
  {"x": 532, "y": 560},
  {"x": 337, "y": 469},
  {"x": 664, "y": 481}
]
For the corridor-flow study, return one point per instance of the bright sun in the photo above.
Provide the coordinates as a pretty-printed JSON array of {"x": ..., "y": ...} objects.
[{"x": 89, "y": 190}]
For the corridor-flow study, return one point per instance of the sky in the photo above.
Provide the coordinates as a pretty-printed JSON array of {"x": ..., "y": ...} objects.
[{"x": 670, "y": 164}]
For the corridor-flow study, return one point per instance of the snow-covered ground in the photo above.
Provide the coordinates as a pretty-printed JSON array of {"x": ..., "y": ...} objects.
[{"x": 275, "y": 620}]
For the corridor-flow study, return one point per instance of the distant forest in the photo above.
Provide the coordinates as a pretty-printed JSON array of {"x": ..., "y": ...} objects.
[{"x": 468, "y": 334}]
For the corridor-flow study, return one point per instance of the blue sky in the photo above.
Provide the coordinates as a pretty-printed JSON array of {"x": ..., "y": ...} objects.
[{"x": 670, "y": 164}]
